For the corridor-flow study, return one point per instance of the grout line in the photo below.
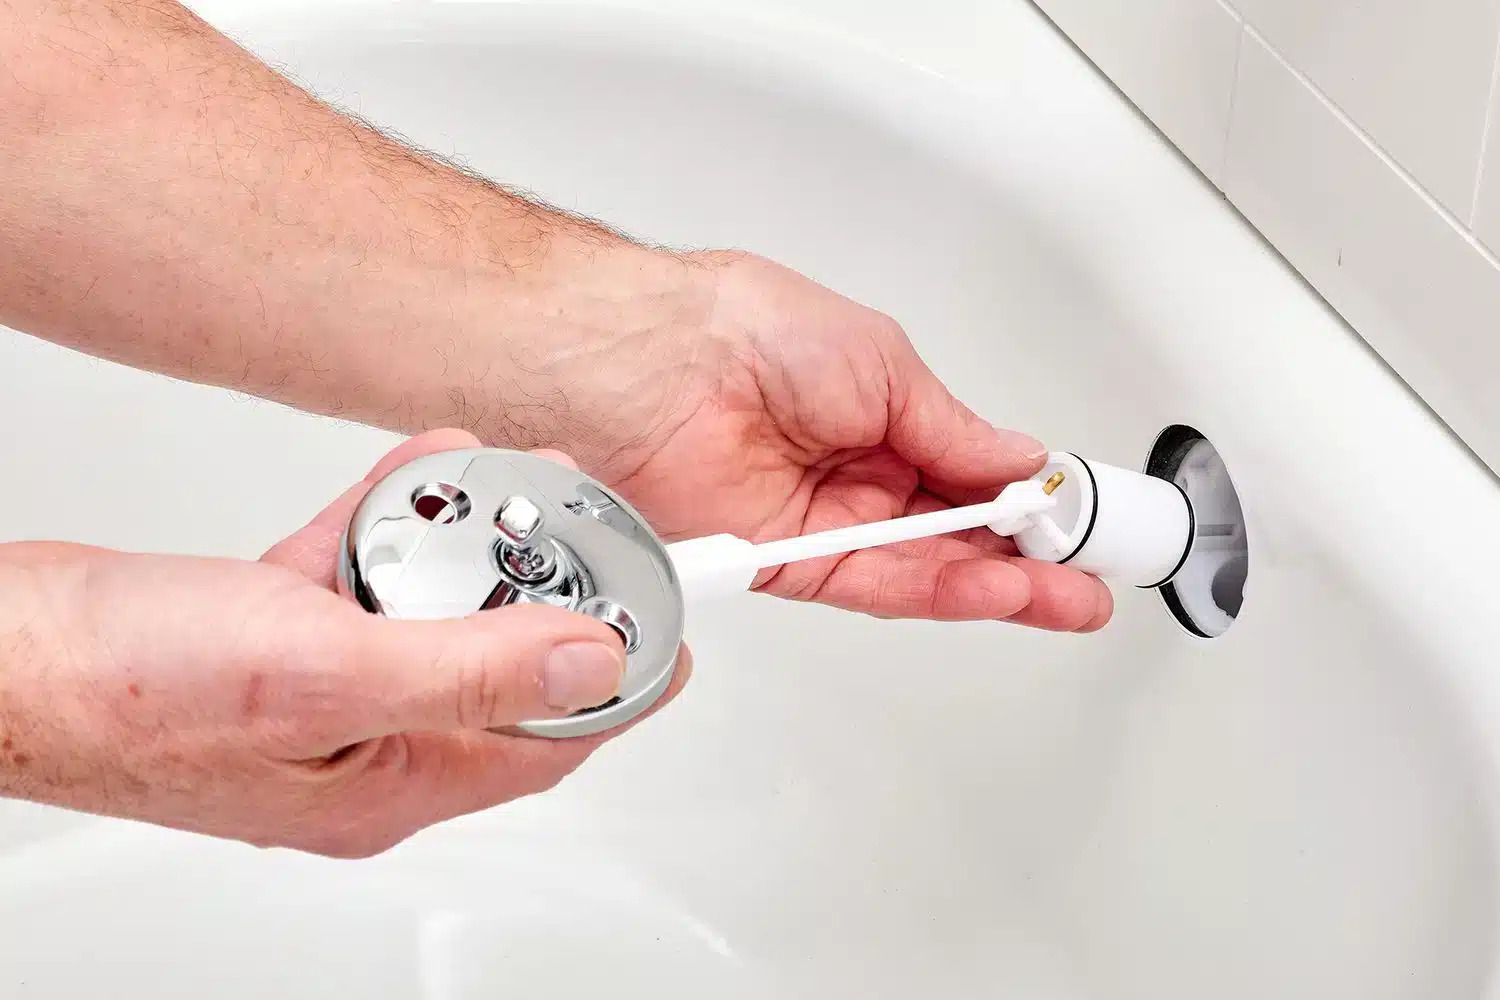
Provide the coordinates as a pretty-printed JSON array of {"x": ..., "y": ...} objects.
[
  {"x": 1234, "y": 94},
  {"x": 1484, "y": 137},
  {"x": 1386, "y": 158}
]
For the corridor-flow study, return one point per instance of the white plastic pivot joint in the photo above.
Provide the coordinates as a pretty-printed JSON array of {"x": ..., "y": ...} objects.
[
  {"x": 1119, "y": 525},
  {"x": 714, "y": 566}
]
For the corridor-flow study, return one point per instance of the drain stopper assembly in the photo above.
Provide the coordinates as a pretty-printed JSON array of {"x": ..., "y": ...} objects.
[{"x": 454, "y": 533}]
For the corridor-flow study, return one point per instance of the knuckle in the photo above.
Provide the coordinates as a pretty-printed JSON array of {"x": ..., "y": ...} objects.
[
  {"x": 498, "y": 677},
  {"x": 487, "y": 686},
  {"x": 475, "y": 696}
]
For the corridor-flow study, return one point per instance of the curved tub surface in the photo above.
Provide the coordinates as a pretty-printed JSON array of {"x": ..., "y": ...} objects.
[{"x": 839, "y": 806}]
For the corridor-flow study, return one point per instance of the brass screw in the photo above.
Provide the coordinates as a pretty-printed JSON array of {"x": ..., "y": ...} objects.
[{"x": 1052, "y": 484}]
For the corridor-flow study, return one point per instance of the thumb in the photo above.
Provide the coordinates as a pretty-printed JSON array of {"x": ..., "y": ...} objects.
[
  {"x": 934, "y": 431},
  {"x": 490, "y": 670}
]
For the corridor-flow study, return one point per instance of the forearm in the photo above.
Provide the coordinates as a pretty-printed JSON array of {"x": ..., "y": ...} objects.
[
  {"x": 169, "y": 202},
  {"x": 38, "y": 584}
]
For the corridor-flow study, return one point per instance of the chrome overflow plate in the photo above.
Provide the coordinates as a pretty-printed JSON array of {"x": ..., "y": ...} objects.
[{"x": 458, "y": 532}]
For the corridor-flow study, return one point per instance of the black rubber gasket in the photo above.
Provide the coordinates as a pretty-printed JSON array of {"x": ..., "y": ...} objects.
[
  {"x": 1187, "y": 549},
  {"x": 1168, "y": 451},
  {"x": 1174, "y": 605}
]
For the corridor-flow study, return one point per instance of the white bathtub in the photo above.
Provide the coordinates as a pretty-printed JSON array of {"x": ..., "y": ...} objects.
[{"x": 837, "y": 806}]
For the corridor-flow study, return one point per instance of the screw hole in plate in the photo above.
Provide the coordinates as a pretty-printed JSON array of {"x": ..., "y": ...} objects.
[
  {"x": 440, "y": 503},
  {"x": 616, "y": 617}
]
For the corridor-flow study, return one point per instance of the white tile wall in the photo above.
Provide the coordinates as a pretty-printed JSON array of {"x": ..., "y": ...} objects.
[
  {"x": 1487, "y": 200},
  {"x": 1415, "y": 74},
  {"x": 1410, "y": 280},
  {"x": 1362, "y": 137}
]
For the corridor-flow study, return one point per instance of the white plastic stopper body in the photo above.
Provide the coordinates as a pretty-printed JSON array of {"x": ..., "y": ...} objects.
[{"x": 1119, "y": 525}]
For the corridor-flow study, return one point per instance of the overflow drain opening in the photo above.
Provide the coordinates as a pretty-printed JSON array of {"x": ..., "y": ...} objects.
[{"x": 1206, "y": 595}]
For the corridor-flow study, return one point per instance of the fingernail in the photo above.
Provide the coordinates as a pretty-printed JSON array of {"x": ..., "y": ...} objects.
[
  {"x": 1028, "y": 447},
  {"x": 582, "y": 675}
]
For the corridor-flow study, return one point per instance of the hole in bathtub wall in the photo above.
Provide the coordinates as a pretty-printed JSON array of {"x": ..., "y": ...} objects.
[
  {"x": 1208, "y": 592},
  {"x": 1228, "y": 587}
]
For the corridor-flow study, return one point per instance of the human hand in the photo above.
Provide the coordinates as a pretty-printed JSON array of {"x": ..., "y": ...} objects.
[
  {"x": 718, "y": 391},
  {"x": 248, "y": 700},
  {"x": 787, "y": 409}
]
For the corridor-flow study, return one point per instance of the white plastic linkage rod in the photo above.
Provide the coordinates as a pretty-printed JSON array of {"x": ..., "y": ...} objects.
[
  {"x": 1005, "y": 515},
  {"x": 724, "y": 564}
]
